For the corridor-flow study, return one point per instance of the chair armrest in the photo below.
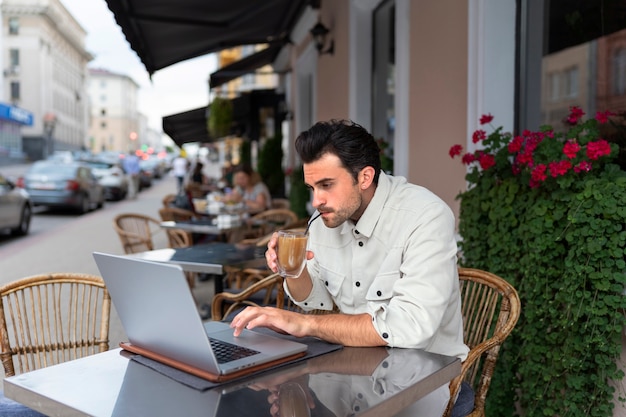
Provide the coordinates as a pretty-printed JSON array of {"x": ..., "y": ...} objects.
[{"x": 234, "y": 300}]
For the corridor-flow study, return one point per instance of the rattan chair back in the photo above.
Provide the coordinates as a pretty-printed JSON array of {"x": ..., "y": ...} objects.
[
  {"x": 136, "y": 231},
  {"x": 259, "y": 289},
  {"x": 490, "y": 308},
  {"x": 52, "y": 318}
]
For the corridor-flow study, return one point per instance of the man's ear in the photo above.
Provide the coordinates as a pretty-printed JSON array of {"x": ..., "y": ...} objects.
[{"x": 366, "y": 177}]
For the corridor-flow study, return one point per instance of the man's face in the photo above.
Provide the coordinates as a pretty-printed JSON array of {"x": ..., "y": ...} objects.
[{"x": 335, "y": 193}]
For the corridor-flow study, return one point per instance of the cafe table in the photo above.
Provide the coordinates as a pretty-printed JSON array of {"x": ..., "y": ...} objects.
[
  {"x": 352, "y": 381},
  {"x": 208, "y": 258}
]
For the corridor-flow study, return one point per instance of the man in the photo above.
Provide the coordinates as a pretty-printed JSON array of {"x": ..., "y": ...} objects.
[
  {"x": 384, "y": 253},
  {"x": 131, "y": 167}
]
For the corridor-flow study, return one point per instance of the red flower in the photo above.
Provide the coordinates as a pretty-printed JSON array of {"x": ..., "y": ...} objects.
[
  {"x": 571, "y": 148},
  {"x": 516, "y": 144},
  {"x": 559, "y": 168},
  {"x": 478, "y": 136},
  {"x": 603, "y": 117},
  {"x": 486, "y": 161},
  {"x": 584, "y": 166},
  {"x": 486, "y": 118},
  {"x": 468, "y": 158},
  {"x": 455, "y": 150},
  {"x": 597, "y": 149},
  {"x": 538, "y": 175},
  {"x": 576, "y": 113}
]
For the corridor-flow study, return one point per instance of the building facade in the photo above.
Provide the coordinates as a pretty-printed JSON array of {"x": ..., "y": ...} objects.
[
  {"x": 116, "y": 124},
  {"x": 44, "y": 66}
]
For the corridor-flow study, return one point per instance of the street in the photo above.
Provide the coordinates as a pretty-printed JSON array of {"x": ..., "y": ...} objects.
[{"x": 64, "y": 242}]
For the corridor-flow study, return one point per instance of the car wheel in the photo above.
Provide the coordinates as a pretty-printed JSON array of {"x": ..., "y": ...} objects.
[
  {"x": 83, "y": 204},
  {"x": 101, "y": 201},
  {"x": 24, "y": 225}
]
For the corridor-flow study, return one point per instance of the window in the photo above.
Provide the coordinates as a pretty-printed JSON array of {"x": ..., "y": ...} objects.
[
  {"x": 575, "y": 62},
  {"x": 14, "y": 26},
  {"x": 554, "y": 86},
  {"x": 14, "y": 56},
  {"x": 619, "y": 72},
  {"x": 571, "y": 82},
  {"x": 15, "y": 90},
  {"x": 383, "y": 88}
]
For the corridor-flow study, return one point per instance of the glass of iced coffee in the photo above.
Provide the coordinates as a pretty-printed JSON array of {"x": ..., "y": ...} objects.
[{"x": 291, "y": 252}]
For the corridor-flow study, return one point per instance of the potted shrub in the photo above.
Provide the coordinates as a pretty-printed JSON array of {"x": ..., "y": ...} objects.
[{"x": 545, "y": 210}]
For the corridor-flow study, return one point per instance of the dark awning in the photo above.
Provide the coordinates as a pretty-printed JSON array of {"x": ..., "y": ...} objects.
[
  {"x": 245, "y": 65},
  {"x": 189, "y": 126},
  {"x": 165, "y": 32}
]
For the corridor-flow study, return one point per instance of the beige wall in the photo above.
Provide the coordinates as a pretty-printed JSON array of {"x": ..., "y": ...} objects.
[
  {"x": 438, "y": 89},
  {"x": 438, "y": 96},
  {"x": 332, "y": 70}
]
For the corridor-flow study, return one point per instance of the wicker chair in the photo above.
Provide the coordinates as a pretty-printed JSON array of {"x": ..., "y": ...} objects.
[
  {"x": 491, "y": 308},
  {"x": 176, "y": 214},
  {"x": 268, "y": 221},
  {"x": 52, "y": 318},
  {"x": 265, "y": 291},
  {"x": 168, "y": 200},
  {"x": 280, "y": 203},
  {"x": 136, "y": 231}
]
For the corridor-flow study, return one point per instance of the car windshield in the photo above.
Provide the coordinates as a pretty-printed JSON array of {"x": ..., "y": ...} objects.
[{"x": 56, "y": 169}]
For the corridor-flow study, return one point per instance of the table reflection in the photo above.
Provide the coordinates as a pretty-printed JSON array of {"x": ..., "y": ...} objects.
[{"x": 352, "y": 381}]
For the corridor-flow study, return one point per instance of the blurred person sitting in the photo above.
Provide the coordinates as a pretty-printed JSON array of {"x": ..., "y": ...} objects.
[{"x": 249, "y": 190}]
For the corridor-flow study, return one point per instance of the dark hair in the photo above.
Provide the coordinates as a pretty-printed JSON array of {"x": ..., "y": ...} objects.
[
  {"x": 355, "y": 147},
  {"x": 245, "y": 168}
]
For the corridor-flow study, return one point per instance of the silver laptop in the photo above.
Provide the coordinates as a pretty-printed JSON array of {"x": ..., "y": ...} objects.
[{"x": 158, "y": 313}]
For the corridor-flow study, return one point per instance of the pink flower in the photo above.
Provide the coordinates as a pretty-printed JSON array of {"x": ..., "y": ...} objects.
[
  {"x": 479, "y": 135},
  {"x": 486, "y": 161},
  {"x": 486, "y": 118},
  {"x": 597, "y": 149},
  {"x": 603, "y": 117},
  {"x": 571, "y": 148},
  {"x": 455, "y": 150},
  {"x": 576, "y": 113},
  {"x": 583, "y": 166}
]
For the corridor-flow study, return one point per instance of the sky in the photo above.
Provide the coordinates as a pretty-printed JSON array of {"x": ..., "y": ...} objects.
[{"x": 175, "y": 89}]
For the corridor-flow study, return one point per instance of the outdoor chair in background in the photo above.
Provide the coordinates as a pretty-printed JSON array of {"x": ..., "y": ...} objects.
[
  {"x": 281, "y": 203},
  {"x": 136, "y": 231},
  {"x": 181, "y": 239},
  {"x": 490, "y": 308},
  {"x": 52, "y": 318},
  {"x": 168, "y": 200},
  {"x": 176, "y": 214},
  {"x": 269, "y": 221}
]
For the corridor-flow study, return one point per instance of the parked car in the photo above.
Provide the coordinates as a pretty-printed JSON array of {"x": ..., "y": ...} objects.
[
  {"x": 57, "y": 184},
  {"x": 15, "y": 208},
  {"x": 111, "y": 177}
]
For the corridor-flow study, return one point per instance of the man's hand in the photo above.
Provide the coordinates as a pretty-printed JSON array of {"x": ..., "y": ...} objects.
[
  {"x": 271, "y": 256},
  {"x": 281, "y": 321}
]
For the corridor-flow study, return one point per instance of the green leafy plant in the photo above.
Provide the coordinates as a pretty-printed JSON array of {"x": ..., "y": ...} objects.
[
  {"x": 270, "y": 166},
  {"x": 299, "y": 193},
  {"x": 220, "y": 120},
  {"x": 545, "y": 210}
]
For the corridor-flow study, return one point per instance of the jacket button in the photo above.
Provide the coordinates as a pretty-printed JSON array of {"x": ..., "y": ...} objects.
[{"x": 360, "y": 243}]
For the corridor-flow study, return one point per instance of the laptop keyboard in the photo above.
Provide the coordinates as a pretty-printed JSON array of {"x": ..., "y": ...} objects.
[{"x": 227, "y": 352}]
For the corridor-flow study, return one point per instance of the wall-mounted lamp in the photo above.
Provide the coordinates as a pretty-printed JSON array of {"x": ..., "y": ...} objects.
[{"x": 319, "y": 32}]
